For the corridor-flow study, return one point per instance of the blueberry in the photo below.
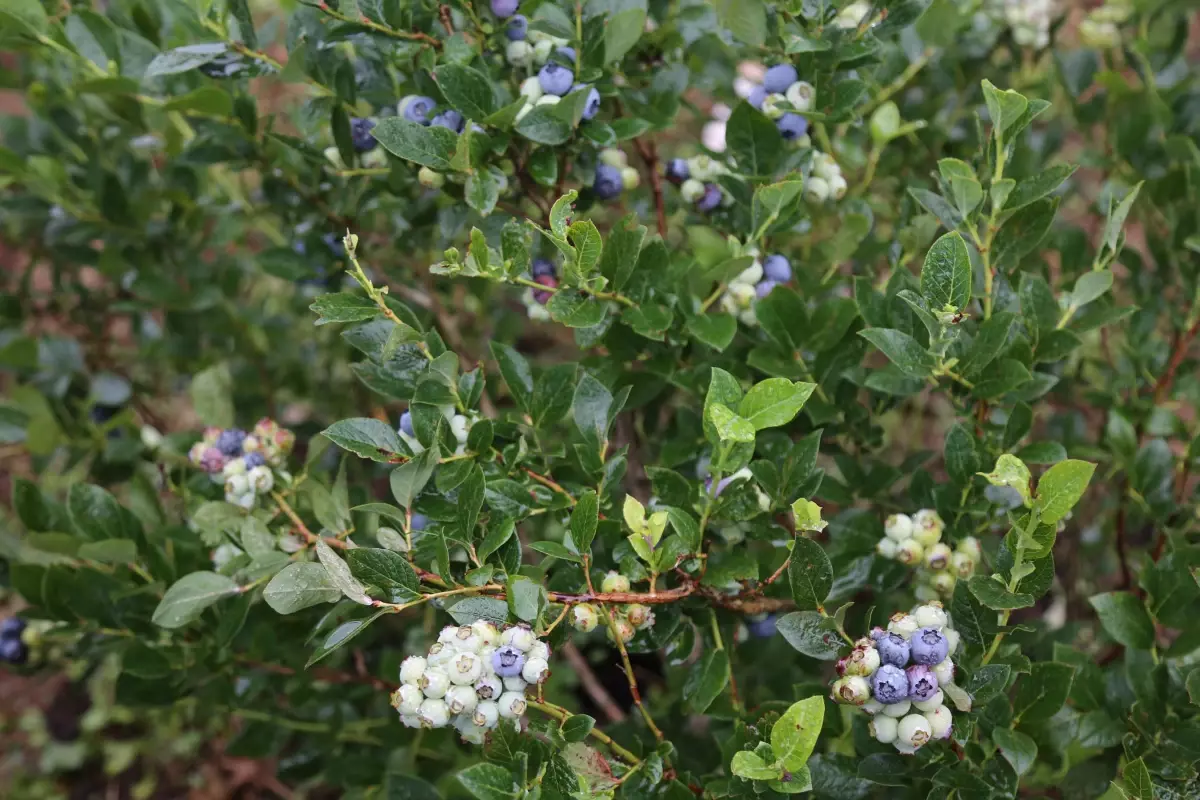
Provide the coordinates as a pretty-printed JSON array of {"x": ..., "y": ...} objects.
[
  {"x": 757, "y": 95},
  {"x": 566, "y": 54},
  {"x": 763, "y": 628},
  {"x": 710, "y": 199},
  {"x": 449, "y": 119},
  {"x": 922, "y": 683},
  {"x": 890, "y": 684},
  {"x": 13, "y": 651},
  {"x": 517, "y": 28},
  {"x": 777, "y": 268},
  {"x": 11, "y": 628},
  {"x": 417, "y": 108},
  {"x": 542, "y": 266},
  {"x": 508, "y": 661},
  {"x": 541, "y": 298},
  {"x": 419, "y": 522},
  {"x": 779, "y": 78},
  {"x": 230, "y": 441},
  {"x": 592, "y": 107},
  {"x": 504, "y": 8},
  {"x": 555, "y": 79},
  {"x": 677, "y": 170},
  {"x": 406, "y": 426},
  {"x": 893, "y": 649},
  {"x": 360, "y": 134},
  {"x": 929, "y": 647},
  {"x": 608, "y": 183},
  {"x": 764, "y": 288},
  {"x": 252, "y": 460},
  {"x": 792, "y": 126}
]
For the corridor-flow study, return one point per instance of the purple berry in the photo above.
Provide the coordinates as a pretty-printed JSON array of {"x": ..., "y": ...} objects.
[
  {"x": 451, "y": 120},
  {"x": 893, "y": 649},
  {"x": 504, "y": 8},
  {"x": 11, "y": 627},
  {"x": 757, "y": 95},
  {"x": 677, "y": 170},
  {"x": 541, "y": 298},
  {"x": 792, "y": 126},
  {"x": 555, "y": 79},
  {"x": 889, "y": 684},
  {"x": 419, "y": 522},
  {"x": 508, "y": 661},
  {"x": 592, "y": 107},
  {"x": 779, "y": 78},
  {"x": 418, "y": 108},
  {"x": 542, "y": 266},
  {"x": 406, "y": 426},
  {"x": 763, "y": 628},
  {"x": 777, "y": 268},
  {"x": 922, "y": 683},
  {"x": 710, "y": 199},
  {"x": 608, "y": 183},
  {"x": 252, "y": 460},
  {"x": 230, "y": 441},
  {"x": 517, "y": 28},
  {"x": 360, "y": 134},
  {"x": 212, "y": 460},
  {"x": 764, "y": 288},
  {"x": 13, "y": 651},
  {"x": 929, "y": 646}
]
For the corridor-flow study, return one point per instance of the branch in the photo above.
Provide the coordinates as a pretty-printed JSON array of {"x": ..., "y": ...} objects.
[
  {"x": 591, "y": 684},
  {"x": 1162, "y": 387},
  {"x": 649, "y": 154},
  {"x": 633, "y": 684}
]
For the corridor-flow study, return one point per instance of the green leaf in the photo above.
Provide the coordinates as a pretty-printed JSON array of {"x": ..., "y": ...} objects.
[
  {"x": 26, "y": 14},
  {"x": 1060, "y": 489},
  {"x": 1137, "y": 781},
  {"x": 206, "y": 100},
  {"x": 1038, "y": 186},
  {"x": 810, "y": 573},
  {"x": 621, "y": 252},
  {"x": 385, "y": 569},
  {"x": 467, "y": 90},
  {"x": 577, "y": 727},
  {"x": 715, "y": 330},
  {"x": 1116, "y": 216},
  {"x": 431, "y": 147},
  {"x": 1022, "y": 233},
  {"x": 805, "y": 631},
  {"x": 489, "y": 782},
  {"x": 753, "y": 140},
  {"x": 575, "y": 310},
  {"x": 901, "y": 349},
  {"x": 990, "y": 339},
  {"x": 409, "y": 479},
  {"x": 794, "y": 734},
  {"x": 987, "y": 682},
  {"x": 1090, "y": 286},
  {"x": 212, "y": 396},
  {"x": 774, "y": 402},
  {"x": 543, "y": 126},
  {"x": 109, "y": 551},
  {"x": 747, "y": 765},
  {"x": 515, "y": 370},
  {"x": 1042, "y": 692},
  {"x": 1018, "y": 749},
  {"x": 996, "y": 596},
  {"x": 771, "y": 201},
  {"x": 365, "y": 436},
  {"x": 962, "y": 460},
  {"x": 1124, "y": 618},
  {"x": 729, "y": 426},
  {"x": 95, "y": 513},
  {"x": 482, "y": 191},
  {"x": 344, "y": 307},
  {"x": 1005, "y": 107},
  {"x": 491, "y": 609},
  {"x": 189, "y": 596},
  {"x": 470, "y": 502},
  {"x": 341, "y": 636},
  {"x": 590, "y": 409},
  {"x": 706, "y": 680},
  {"x": 622, "y": 32},
  {"x": 584, "y": 519},
  {"x": 746, "y": 20},
  {"x": 588, "y": 246},
  {"x": 340, "y": 574},
  {"x": 946, "y": 274},
  {"x": 1000, "y": 378},
  {"x": 525, "y": 598}
]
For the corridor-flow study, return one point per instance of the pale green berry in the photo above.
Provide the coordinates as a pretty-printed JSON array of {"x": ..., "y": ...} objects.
[
  {"x": 897, "y": 710},
  {"x": 940, "y": 722},
  {"x": 816, "y": 190},
  {"x": 909, "y": 551},
  {"x": 930, "y": 615},
  {"x": 511, "y": 705},
  {"x": 933, "y": 702},
  {"x": 887, "y": 547},
  {"x": 800, "y": 94},
  {"x": 614, "y": 582},
  {"x": 691, "y": 190},
  {"x": 630, "y": 178},
  {"x": 898, "y": 527},
  {"x": 884, "y": 729},
  {"x": 914, "y": 730},
  {"x": 430, "y": 179},
  {"x": 962, "y": 565},
  {"x": 927, "y": 527},
  {"x": 970, "y": 546},
  {"x": 943, "y": 583},
  {"x": 938, "y": 556},
  {"x": 902, "y": 624},
  {"x": 433, "y": 713},
  {"x": 613, "y": 157},
  {"x": 584, "y": 617},
  {"x": 945, "y": 670}
]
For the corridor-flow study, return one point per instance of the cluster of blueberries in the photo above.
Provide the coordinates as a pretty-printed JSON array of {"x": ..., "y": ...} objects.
[
  {"x": 12, "y": 647},
  {"x": 753, "y": 284},
  {"x": 780, "y": 91},
  {"x": 628, "y": 619},
  {"x": 917, "y": 541},
  {"x": 472, "y": 677},
  {"x": 696, "y": 178},
  {"x": 897, "y": 675},
  {"x": 614, "y": 175},
  {"x": 243, "y": 461}
]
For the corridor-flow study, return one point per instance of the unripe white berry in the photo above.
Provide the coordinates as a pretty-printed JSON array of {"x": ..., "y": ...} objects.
[
  {"x": 800, "y": 94},
  {"x": 970, "y": 546},
  {"x": 838, "y": 187},
  {"x": 750, "y": 276},
  {"x": 488, "y": 633},
  {"x": 486, "y": 714},
  {"x": 630, "y": 178},
  {"x": 237, "y": 484},
  {"x": 927, "y": 527},
  {"x": 531, "y": 87},
  {"x": 540, "y": 650},
  {"x": 261, "y": 478},
  {"x": 898, "y": 527},
  {"x": 945, "y": 670},
  {"x": 962, "y": 565},
  {"x": 624, "y": 630},
  {"x": 940, "y": 722},
  {"x": 511, "y": 705},
  {"x": 914, "y": 730},
  {"x": 411, "y": 669},
  {"x": 439, "y": 654},
  {"x": 872, "y": 706},
  {"x": 541, "y": 50},
  {"x": 448, "y": 635},
  {"x": 887, "y": 547},
  {"x": 816, "y": 190},
  {"x": 933, "y": 702},
  {"x": 613, "y": 157},
  {"x": 519, "y": 53},
  {"x": 489, "y": 687},
  {"x": 930, "y": 615},
  {"x": 434, "y": 682},
  {"x": 548, "y": 100},
  {"x": 407, "y": 699},
  {"x": 774, "y": 106},
  {"x": 433, "y": 713},
  {"x": 519, "y": 636},
  {"x": 584, "y": 617},
  {"x": 826, "y": 167},
  {"x": 691, "y": 190},
  {"x": 938, "y": 556},
  {"x": 465, "y": 669},
  {"x": 897, "y": 710},
  {"x": 851, "y": 689},
  {"x": 951, "y": 640},
  {"x": 430, "y": 179},
  {"x": 467, "y": 640},
  {"x": 461, "y": 699},
  {"x": 909, "y": 551},
  {"x": 637, "y": 614},
  {"x": 943, "y": 583},
  {"x": 884, "y": 729},
  {"x": 514, "y": 683},
  {"x": 924, "y": 592},
  {"x": 535, "y": 670},
  {"x": 903, "y": 624}
]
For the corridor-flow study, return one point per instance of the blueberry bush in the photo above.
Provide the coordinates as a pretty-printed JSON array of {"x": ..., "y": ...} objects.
[{"x": 620, "y": 398}]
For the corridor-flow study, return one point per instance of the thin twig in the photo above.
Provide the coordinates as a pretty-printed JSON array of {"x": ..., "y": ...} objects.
[
  {"x": 633, "y": 684},
  {"x": 591, "y": 684}
]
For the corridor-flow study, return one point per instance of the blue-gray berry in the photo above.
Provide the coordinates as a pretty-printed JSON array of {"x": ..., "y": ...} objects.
[
  {"x": 418, "y": 109},
  {"x": 777, "y": 268},
  {"x": 922, "y": 683},
  {"x": 893, "y": 649},
  {"x": 11, "y": 627},
  {"x": 608, "y": 183},
  {"x": 555, "y": 79},
  {"x": 710, "y": 199},
  {"x": 230, "y": 441},
  {"x": 792, "y": 126},
  {"x": 450, "y": 119},
  {"x": 419, "y": 522},
  {"x": 508, "y": 661},
  {"x": 757, "y": 95},
  {"x": 677, "y": 170},
  {"x": 592, "y": 106},
  {"x": 779, "y": 78},
  {"x": 762, "y": 628},
  {"x": 929, "y": 647},
  {"x": 252, "y": 460},
  {"x": 360, "y": 134},
  {"x": 764, "y": 288},
  {"x": 889, "y": 684},
  {"x": 13, "y": 651},
  {"x": 406, "y": 426},
  {"x": 542, "y": 266},
  {"x": 517, "y": 28},
  {"x": 504, "y": 8}
]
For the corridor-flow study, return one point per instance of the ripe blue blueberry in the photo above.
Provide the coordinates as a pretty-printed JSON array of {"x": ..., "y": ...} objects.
[
  {"x": 517, "y": 28},
  {"x": 890, "y": 685},
  {"x": 763, "y": 628},
  {"x": 764, "y": 288},
  {"x": 451, "y": 120},
  {"x": 757, "y": 95},
  {"x": 13, "y": 651},
  {"x": 555, "y": 79},
  {"x": 11, "y": 628},
  {"x": 406, "y": 426},
  {"x": 608, "y": 183},
  {"x": 893, "y": 649},
  {"x": 779, "y": 78},
  {"x": 542, "y": 266},
  {"x": 252, "y": 460},
  {"x": 922, "y": 683},
  {"x": 710, "y": 199},
  {"x": 777, "y": 268},
  {"x": 677, "y": 170},
  {"x": 541, "y": 298},
  {"x": 929, "y": 647},
  {"x": 792, "y": 126},
  {"x": 230, "y": 441},
  {"x": 504, "y": 8},
  {"x": 418, "y": 109},
  {"x": 360, "y": 134},
  {"x": 419, "y": 522},
  {"x": 565, "y": 55},
  {"x": 508, "y": 661},
  {"x": 592, "y": 107}
]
